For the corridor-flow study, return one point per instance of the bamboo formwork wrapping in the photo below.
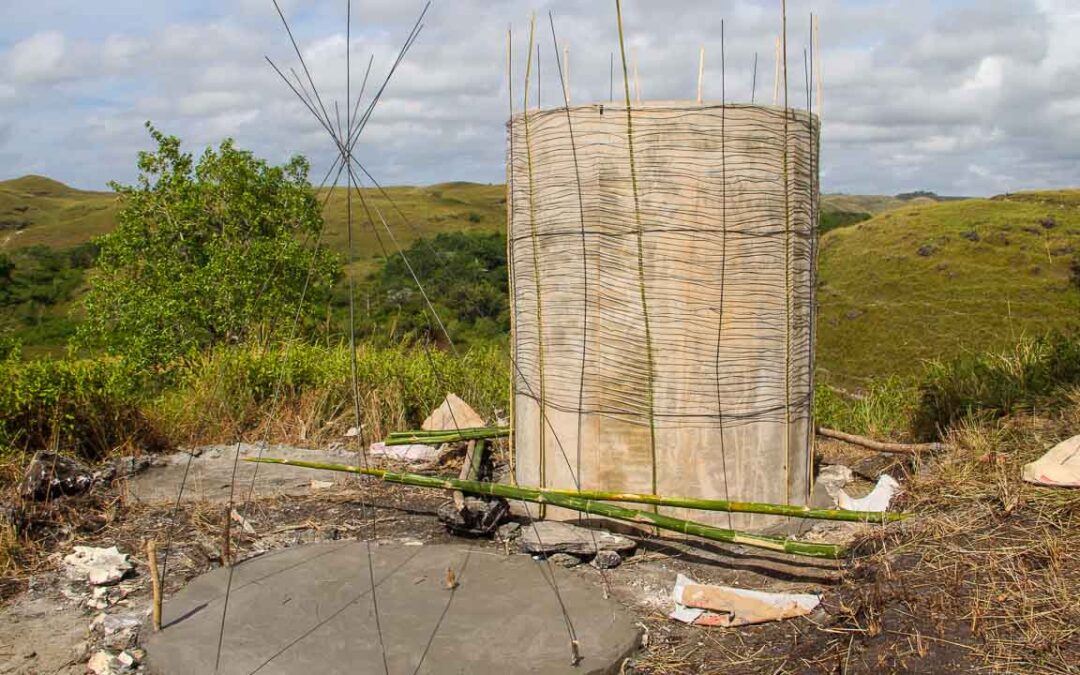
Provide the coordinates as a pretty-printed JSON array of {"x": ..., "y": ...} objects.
[{"x": 662, "y": 307}]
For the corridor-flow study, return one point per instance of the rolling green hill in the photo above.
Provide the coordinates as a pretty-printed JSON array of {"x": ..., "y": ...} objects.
[
  {"x": 931, "y": 280},
  {"x": 38, "y": 210},
  {"x": 920, "y": 279}
]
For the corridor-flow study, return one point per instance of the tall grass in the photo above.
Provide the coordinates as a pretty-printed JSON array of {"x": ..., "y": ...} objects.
[
  {"x": 1033, "y": 372},
  {"x": 293, "y": 392},
  {"x": 883, "y": 409},
  {"x": 302, "y": 392}
]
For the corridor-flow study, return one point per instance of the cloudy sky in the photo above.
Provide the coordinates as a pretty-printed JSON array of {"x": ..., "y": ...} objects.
[{"x": 970, "y": 97}]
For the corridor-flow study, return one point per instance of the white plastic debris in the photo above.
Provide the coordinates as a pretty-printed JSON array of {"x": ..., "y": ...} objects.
[
  {"x": 321, "y": 484},
  {"x": 878, "y": 499},
  {"x": 97, "y": 566},
  {"x": 708, "y": 605},
  {"x": 414, "y": 452},
  {"x": 1060, "y": 467}
]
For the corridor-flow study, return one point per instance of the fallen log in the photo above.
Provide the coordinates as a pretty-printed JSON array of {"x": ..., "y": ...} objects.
[{"x": 880, "y": 446}]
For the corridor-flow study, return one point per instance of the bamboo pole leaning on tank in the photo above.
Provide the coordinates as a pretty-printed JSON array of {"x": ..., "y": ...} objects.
[{"x": 588, "y": 506}]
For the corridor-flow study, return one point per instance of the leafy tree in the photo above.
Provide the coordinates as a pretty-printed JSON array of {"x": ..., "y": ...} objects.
[
  {"x": 205, "y": 253},
  {"x": 464, "y": 274}
]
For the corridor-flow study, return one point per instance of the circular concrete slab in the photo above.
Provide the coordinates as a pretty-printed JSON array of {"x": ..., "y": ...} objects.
[{"x": 309, "y": 609}]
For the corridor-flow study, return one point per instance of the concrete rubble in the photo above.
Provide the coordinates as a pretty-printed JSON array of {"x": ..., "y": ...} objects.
[
  {"x": 97, "y": 566},
  {"x": 547, "y": 537}
]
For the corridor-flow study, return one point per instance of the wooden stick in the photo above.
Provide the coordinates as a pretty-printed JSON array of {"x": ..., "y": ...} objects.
[
  {"x": 895, "y": 448},
  {"x": 566, "y": 72},
  {"x": 155, "y": 582},
  {"x": 700, "y": 73}
]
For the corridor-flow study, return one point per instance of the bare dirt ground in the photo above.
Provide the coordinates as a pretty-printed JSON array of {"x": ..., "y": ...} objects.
[{"x": 897, "y": 606}]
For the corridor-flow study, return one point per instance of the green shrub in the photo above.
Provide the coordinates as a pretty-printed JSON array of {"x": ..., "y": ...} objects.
[
  {"x": 86, "y": 407},
  {"x": 204, "y": 252},
  {"x": 1030, "y": 373}
]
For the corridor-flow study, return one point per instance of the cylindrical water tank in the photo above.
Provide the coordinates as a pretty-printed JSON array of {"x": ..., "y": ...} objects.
[{"x": 662, "y": 269}]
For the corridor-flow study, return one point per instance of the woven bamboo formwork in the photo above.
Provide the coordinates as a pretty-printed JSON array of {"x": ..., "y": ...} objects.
[{"x": 662, "y": 313}]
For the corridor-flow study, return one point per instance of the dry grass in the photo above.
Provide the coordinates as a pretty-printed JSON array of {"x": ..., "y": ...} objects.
[{"x": 993, "y": 563}]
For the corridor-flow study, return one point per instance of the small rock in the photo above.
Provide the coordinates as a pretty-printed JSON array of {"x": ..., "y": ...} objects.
[
  {"x": 97, "y": 566},
  {"x": 126, "y": 659},
  {"x": 1048, "y": 223},
  {"x": 321, "y": 484},
  {"x": 51, "y": 475},
  {"x": 607, "y": 560},
  {"x": 508, "y": 531},
  {"x": 116, "y": 630},
  {"x": 103, "y": 663},
  {"x": 552, "y": 536},
  {"x": 827, "y": 486},
  {"x": 565, "y": 559},
  {"x": 970, "y": 235},
  {"x": 926, "y": 251},
  {"x": 873, "y": 466}
]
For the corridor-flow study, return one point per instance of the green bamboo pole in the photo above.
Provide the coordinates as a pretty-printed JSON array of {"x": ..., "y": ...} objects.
[
  {"x": 450, "y": 436},
  {"x": 736, "y": 507},
  {"x": 579, "y": 504}
]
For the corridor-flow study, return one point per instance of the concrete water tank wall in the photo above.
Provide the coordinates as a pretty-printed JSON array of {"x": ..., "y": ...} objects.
[{"x": 662, "y": 301}]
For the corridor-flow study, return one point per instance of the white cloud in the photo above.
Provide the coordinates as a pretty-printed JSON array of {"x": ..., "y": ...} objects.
[
  {"x": 917, "y": 92},
  {"x": 38, "y": 58}
]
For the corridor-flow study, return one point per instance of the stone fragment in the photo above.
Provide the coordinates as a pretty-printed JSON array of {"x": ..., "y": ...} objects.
[
  {"x": 97, "y": 566},
  {"x": 565, "y": 560},
  {"x": 508, "y": 531},
  {"x": 51, "y": 475},
  {"x": 117, "y": 631},
  {"x": 552, "y": 536},
  {"x": 103, "y": 663},
  {"x": 607, "y": 560}
]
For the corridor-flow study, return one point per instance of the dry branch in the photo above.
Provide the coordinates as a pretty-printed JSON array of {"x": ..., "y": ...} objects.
[{"x": 880, "y": 446}]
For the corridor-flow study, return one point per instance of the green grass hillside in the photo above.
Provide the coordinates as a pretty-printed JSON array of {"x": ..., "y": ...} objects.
[
  {"x": 936, "y": 280},
  {"x": 919, "y": 280},
  {"x": 37, "y": 210}
]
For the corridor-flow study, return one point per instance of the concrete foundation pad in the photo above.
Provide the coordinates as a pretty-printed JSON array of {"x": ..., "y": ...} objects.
[{"x": 309, "y": 609}]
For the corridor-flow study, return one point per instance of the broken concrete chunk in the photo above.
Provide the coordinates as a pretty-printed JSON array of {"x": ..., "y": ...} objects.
[
  {"x": 508, "y": 531},
  {"x": 51, "y": 475},
  {"x": 97, "y": 566},
  {"x": 708, "y": 605},
  {"x": 453, "y": 414},
  {"x": 607, "y": 560},
  {"x": 103, "y": 663},
  {"x": 551, "y": 536},
  {"x": 564, "y": 560}
]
